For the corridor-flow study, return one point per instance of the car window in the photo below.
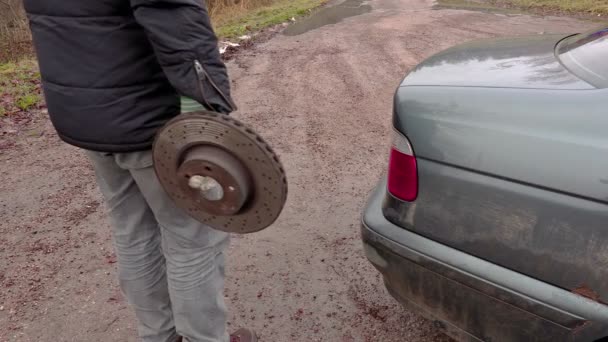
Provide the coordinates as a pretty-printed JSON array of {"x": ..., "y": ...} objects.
[{"x": 586, "y": 55}]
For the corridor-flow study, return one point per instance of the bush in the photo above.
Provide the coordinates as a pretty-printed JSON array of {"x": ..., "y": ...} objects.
[
  {"x": 217, "y": 7},
  {"x": 15, "y": 39}
]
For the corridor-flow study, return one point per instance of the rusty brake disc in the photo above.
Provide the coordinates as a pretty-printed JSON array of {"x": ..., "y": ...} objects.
[{"x": 220, "y": 172}]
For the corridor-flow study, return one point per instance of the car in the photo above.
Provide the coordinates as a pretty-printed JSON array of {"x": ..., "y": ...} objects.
[{"x": 492, "y": 218}]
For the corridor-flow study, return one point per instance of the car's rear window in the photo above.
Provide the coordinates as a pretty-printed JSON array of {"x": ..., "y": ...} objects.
[{"x": 586, "y": 55}]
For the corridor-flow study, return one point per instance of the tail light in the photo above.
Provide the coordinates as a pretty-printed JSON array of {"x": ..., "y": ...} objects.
[{"x": 402, "y": 169}]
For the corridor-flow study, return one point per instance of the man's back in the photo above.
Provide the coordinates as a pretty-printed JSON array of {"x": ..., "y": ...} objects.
[{"x": 101, "y": 67}]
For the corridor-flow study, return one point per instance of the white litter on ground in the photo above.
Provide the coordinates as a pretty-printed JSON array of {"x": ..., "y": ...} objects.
[{"x": 224, "y": 46}]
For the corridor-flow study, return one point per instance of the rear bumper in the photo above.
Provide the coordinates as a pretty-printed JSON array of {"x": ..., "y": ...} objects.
[{"x": 472, "y": 299}]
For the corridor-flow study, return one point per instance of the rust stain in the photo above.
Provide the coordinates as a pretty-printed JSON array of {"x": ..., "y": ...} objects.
[
  {"x": 585, "y": 291},
  {"x": 577, "y": 330}
]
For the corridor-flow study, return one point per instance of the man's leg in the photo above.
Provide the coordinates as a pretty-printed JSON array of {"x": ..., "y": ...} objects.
[
  {"x": 195, "y": 257},
  {"x": 137, "y": 240}
]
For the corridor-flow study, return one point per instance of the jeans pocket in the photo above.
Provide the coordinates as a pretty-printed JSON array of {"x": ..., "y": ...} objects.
[{"x": 135, "y": 160}]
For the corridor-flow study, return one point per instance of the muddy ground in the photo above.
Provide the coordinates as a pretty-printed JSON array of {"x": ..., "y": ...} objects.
[{"x": 322, "y": 97}]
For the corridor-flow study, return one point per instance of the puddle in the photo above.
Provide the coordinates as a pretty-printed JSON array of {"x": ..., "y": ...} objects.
[
  {"x": 475, "y": 5},
  {"x": 328, "y": 16}
]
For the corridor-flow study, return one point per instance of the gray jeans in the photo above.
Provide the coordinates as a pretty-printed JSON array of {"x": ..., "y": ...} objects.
[{"x": 171, "y": 267}]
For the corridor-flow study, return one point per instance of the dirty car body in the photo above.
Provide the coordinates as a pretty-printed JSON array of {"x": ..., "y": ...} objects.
[{"x": 502, "y": 235}]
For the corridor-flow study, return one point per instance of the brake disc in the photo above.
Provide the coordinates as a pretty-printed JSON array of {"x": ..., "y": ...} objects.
[{"x": 220, "y": 172}]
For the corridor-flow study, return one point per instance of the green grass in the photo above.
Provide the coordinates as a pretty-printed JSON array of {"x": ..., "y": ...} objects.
[
  {"x": 585, "y": 7},
  {"x": 596, "y": 7},
  {"x": 230, "y": 25},
  {"x": 20, "y": 81},
  {"x": 27, "y": 101},
  {"x": 19, "y": 87}
]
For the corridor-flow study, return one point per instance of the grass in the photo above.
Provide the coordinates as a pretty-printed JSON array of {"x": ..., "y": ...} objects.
[
  {"x": 596, "y": 7},
  {"x": 577, "y": 7},
  {"x": 19, "y": 81},
  {"x": 19, "y": 87},
  {"x": 236, "y": 21},
  {"x": 574, "y": 7}
]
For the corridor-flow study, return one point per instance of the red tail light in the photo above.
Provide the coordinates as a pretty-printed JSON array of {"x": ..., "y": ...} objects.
[{"x": 402, "y": 170}]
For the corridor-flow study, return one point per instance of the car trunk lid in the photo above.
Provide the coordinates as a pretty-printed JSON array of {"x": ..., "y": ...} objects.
[{"x": 527, "y": 62}]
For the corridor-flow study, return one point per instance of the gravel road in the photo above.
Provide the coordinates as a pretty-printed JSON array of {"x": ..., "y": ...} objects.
[{"x": 323, "y": 98}]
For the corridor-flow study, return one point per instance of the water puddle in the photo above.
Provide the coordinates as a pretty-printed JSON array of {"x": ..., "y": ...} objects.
[
  {"x": 475, "y": 5},
  {"x": 328, "y": 16}
]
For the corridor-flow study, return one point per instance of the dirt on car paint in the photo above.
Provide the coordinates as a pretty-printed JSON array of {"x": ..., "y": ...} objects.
[
  {"x": 323, "y": 100},
  {"x": 585, "y": 291}
]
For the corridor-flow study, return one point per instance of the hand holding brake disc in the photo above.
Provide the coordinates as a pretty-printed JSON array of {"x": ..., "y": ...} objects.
[{"x": 220, "y": 171}]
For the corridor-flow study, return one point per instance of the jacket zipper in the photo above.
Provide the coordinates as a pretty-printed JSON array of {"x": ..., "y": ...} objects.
[
  {"x": 202, "y": 76},
  {"x": 200, "y": 73}
]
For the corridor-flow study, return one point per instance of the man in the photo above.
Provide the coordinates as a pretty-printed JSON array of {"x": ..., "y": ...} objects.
[{"x": 113, "y": 72}]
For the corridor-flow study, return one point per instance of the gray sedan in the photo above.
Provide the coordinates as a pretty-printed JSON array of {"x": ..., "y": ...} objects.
[{"x": 493, "y": 217}]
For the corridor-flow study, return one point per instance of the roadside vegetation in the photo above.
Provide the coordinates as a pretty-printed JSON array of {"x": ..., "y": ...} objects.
[
  {"x": 582, "y": 8},
  {"x": 587, "y": 7},
  {"x": 19, "y": 78},
  {"x": 19, "y": 87},
  {"x": 235, "y": 21}
]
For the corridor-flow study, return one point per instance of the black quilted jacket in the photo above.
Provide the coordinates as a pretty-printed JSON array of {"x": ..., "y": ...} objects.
[{"x": 113, "y": 70}]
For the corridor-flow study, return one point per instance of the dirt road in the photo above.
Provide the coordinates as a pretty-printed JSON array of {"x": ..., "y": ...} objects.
[{"x": 323, "y": 99}]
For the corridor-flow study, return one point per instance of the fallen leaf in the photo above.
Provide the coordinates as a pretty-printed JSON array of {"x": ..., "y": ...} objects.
[{"x": 111, "y": 259}]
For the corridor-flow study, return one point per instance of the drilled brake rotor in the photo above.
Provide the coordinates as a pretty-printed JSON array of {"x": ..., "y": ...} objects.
[{"x": 220, "y": 171}]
